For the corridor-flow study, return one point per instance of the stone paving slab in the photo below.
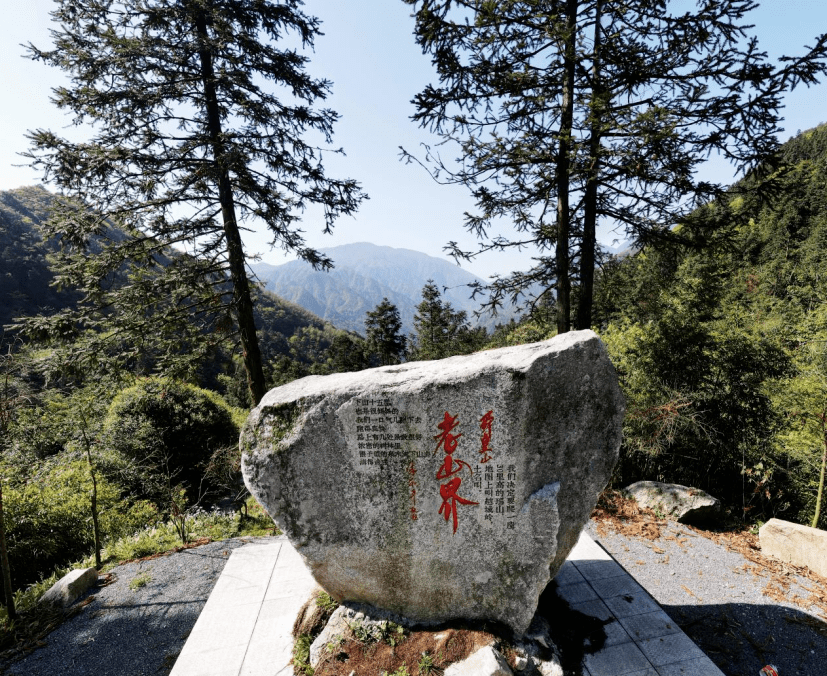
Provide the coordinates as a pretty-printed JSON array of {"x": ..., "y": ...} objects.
[
  {"x": 245, "y": 626},
  {"x": 643, "y": 640}
]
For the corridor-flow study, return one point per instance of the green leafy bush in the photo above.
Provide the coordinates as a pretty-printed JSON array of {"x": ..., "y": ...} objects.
[
  {"x": 48, "y": 519},
  {"x": 165, "y": 433}
]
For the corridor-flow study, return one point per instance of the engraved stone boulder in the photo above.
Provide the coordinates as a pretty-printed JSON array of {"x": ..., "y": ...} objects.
[{"x": 441, "y": 490}]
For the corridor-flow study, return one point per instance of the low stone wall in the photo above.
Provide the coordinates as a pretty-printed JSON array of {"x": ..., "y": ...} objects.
[{"x": 796, "y": 544}]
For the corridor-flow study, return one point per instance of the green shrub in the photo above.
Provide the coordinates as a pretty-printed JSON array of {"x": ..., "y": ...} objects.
[
  {"x": 48, "y": 519},
  {"x": 166, "y": 433}
]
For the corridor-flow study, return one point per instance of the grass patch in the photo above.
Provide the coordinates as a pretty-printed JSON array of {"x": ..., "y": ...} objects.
[
  {"x": 301, "y": 655},
  {"x": 326, "y": 602},
  {"x": 139, "y": 581}
]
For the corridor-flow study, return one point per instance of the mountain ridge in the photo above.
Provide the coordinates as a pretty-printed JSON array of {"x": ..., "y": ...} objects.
[{"x": 364, "y": 274}]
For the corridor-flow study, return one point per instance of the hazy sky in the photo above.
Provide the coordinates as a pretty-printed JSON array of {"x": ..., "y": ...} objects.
[{"x": 369, "y": 54}]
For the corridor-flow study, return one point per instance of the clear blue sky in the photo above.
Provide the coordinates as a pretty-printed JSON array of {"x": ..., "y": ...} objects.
[{"x": 369, "y": 53}]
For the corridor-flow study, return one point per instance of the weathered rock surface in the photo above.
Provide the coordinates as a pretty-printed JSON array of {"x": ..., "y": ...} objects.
[
  {"x": 485, "y": 662},
  {"x": 682, "y": 503},
  {"x": 796, "y": 544},
  {"x": 68, "y": 588},
  {"x": 354, "y": 619},
  {"x": 441, "y": 490}
]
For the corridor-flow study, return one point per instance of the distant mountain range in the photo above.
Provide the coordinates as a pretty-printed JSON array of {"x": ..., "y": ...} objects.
[{"x": 364, "y": 274}]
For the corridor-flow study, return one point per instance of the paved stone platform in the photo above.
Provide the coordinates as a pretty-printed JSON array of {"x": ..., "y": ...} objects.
[
  {"x": 641, "y": 640},
  {"x": 244, "y": 628}
]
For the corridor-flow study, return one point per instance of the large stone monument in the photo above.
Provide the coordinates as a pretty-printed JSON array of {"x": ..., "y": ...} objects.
[{"x": 445, "y": 489}]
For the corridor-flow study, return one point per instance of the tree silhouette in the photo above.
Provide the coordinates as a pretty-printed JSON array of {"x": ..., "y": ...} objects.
[{"x": 200, "y": 119}]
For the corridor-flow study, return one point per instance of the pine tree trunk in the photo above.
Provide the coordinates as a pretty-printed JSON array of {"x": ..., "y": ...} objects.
[
  {"x": 563, "y": 168},
  {"x": 242, "y": 300},
  {"x": 4, "y": 562},
  {"x": 817, "y": 514},
  {"x": 587, "y": 248}
]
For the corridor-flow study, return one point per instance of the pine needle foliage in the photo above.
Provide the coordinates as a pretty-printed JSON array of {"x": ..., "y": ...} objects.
[
  {"x": 566, "y": 113},
  {"x": 203, "y": 121}
]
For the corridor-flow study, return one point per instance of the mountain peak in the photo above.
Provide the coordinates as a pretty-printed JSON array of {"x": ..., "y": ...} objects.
[{"x": 364, "y": 274}]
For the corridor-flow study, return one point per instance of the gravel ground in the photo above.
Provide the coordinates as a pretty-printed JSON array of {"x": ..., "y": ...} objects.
[
  {"x": 134, "y": 630},
  {"x": 740, "y": 613},
  {"x": 718, "y": 597}
]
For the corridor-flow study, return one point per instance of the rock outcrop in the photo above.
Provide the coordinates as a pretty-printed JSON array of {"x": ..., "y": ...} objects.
[
  {"x": 446, "y": 489},
  {"x": 682, "y": 503}
]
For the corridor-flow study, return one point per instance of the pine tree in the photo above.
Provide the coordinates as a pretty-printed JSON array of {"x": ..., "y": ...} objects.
[
  {"x": 200, "y": 119},
  {"x": 567, "y": 112},
  {"x": 383, "y": 333},
  {"x": 442, "y": 331}
]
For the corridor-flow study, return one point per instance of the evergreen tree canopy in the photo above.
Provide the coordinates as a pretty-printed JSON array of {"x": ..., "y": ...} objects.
[
  {"x": 442, "y": 331},
  {"x": 566, "y": 112},
  {"x": 200, "y": 120},
  {"x": 383, "y": 333}
]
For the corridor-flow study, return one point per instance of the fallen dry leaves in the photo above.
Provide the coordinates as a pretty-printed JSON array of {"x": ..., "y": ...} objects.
[
  {"x": 625, "y": 517},
  {"x": 442, "y": 646}
]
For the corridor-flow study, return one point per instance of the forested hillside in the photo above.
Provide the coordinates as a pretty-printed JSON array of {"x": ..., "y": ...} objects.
[
  {"x": 153, "y": 451},
  {"x": 25, "y": 280},
  {"x": 722, "y": 349},
  {"x": 26, "y": 283}
]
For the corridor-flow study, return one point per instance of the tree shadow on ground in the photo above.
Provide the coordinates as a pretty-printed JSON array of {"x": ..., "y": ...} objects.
[{"x": 742, "y": 638}]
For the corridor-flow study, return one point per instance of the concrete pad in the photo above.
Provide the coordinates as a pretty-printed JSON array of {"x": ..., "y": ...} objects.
[
  {"x": 253, "y": 638},
  {"x": 587, "y": 550},
  {"x": 615, "y": 633},
  {"x": 702, "y": 666},
  {"x": 617, "y": 660},
  {"x": 576, "y": 593},
  {"x": 244, "y": 628},
  {"x": 608, "y": 587},
  {"x": 669, "y": 649},
  {"x": 600, "y": 570},
  {"x": 631, "y": 604},
  {"x": 568, "y": 574}
]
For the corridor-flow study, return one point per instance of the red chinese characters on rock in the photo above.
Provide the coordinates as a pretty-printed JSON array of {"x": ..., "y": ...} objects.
[
  {"x": 485, "y": 441},
  {"x": 449, "y": 468}
]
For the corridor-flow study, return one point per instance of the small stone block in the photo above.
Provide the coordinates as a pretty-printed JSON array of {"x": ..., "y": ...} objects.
[
  {"x": 668, "y": 649},
  {"x": 701, "y": 666},
  {"x": 796, "y": 544},
  {"x": 67, "y": 589},
  {"x": 617, "y": 660}
]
